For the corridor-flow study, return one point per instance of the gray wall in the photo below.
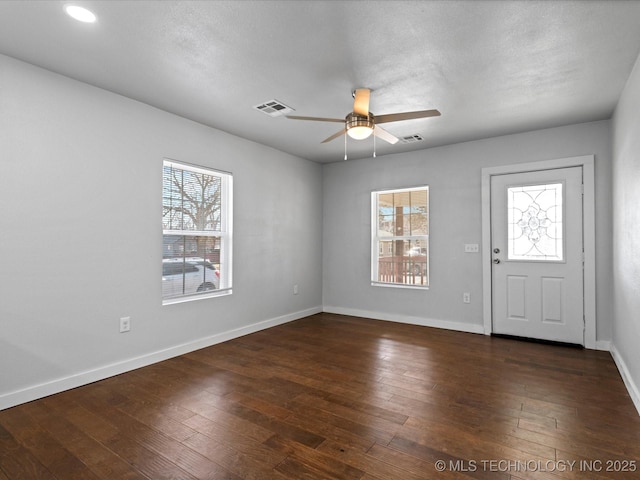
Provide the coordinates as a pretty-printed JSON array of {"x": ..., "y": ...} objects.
[
  {"x": 453, "y": 174},
  {"x": 81, "y": 239},
  {"x": 626, "y": 234},
  {"x": 81, "y": 234}
]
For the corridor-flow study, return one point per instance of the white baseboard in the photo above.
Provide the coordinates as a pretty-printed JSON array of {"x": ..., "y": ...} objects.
[
  {"x": 393, "y": 317},
  {"x": 604, "y": 345},
  {"x": 632, "y": 388},
  {"x": 58, "y": 385}
]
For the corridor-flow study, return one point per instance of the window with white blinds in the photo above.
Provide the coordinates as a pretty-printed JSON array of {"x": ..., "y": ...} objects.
[{"x": 196, "y": 232}]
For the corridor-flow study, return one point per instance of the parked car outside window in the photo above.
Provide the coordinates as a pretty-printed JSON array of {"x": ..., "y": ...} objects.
[{"x": 184, "y": 276}]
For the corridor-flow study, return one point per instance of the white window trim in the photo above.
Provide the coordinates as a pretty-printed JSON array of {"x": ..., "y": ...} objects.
[
  {"x": 375, "y": 238},
  {"x": 225, "y": 233}
]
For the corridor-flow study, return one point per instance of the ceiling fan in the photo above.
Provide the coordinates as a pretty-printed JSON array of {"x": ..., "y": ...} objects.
[{"x": 361, "y": 123}]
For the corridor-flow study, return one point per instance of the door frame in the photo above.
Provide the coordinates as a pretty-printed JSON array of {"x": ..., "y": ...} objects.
[{"x": 588, "y": 226}]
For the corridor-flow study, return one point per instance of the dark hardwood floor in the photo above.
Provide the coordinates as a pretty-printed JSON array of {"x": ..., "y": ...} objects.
[{"x": 336, "y": 397}]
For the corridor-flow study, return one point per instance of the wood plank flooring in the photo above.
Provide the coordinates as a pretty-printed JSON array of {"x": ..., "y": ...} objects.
[{"x": 336, "y": 397}]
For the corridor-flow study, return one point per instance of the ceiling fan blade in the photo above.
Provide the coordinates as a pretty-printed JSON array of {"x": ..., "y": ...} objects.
[
  {"x": 396, "y": 117},
  {"x": 316, "y": 119},
  {"x": 361, "y": 102},
  {"x": 384, "y": 135},
  {"x": 335, "y": 135}
]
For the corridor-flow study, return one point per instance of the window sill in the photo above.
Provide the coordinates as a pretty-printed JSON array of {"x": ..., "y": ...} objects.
[
  {"x": 192, "y": 298},
  {"x": 400, "y": 285}
]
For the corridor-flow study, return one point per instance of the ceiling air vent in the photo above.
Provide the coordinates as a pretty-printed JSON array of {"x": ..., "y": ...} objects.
[
  {"x": 411, "y": 139},
  {"x": 273, "y": 108}
]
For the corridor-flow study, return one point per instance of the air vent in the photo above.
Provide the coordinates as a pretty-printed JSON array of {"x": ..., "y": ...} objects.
[
  {"x": 273, "y": 108},
  {"x": 411, "y": 139}
]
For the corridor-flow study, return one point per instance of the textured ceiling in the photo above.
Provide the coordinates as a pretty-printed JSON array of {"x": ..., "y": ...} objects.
[{"x": 490, "y": 67}]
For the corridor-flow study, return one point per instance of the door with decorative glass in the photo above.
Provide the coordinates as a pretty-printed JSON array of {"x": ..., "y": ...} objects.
[{"x": 537, "y": 255}]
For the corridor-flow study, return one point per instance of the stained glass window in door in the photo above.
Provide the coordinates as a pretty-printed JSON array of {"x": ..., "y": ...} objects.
[{"x": 535, "y": 224}]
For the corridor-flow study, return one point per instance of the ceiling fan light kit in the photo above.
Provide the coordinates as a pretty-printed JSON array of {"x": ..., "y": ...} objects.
[{"x": 358, "y": 126}]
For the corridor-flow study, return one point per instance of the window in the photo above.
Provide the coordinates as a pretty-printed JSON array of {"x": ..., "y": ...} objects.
[
  {"x": 196, "y": 232},
  {"x": 535, "y": 230},
  {"x": 400, "y": 237}
]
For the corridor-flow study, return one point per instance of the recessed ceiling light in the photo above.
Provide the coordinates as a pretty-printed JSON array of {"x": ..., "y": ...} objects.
[{"x": 80, "y": 13}]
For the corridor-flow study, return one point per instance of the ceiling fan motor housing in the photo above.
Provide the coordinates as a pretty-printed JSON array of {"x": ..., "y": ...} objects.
[{"x": 362, "y": 125}]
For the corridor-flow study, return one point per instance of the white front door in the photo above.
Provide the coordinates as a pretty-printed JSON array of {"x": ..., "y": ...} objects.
[{"x": 537, "y": 255}]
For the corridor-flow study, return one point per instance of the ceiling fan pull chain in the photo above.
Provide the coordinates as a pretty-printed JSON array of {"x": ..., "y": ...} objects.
[
  {"x": 374, "y": 144},
  {"x": 345, "y": 147}
]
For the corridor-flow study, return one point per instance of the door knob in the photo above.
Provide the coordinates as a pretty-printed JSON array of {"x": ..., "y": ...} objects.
[{"x": 496, "y": 261}]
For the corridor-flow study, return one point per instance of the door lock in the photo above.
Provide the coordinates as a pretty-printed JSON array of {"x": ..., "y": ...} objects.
[{"x": 496, "y": 250}]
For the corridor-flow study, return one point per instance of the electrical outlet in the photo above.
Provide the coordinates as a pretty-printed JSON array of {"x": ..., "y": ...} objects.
[
  {"x": 466, "y": 297},
  {"x": 295, "y": 289},
  {"x": 471, "y": 248},
  {"x": 125, "y": 324}
]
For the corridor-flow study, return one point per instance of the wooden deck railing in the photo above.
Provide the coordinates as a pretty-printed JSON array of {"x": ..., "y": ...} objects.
[{"x": 404, "y": 270}]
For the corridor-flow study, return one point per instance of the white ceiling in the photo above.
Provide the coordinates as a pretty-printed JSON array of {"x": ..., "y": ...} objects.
[{"x": 490, "y": 67}]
